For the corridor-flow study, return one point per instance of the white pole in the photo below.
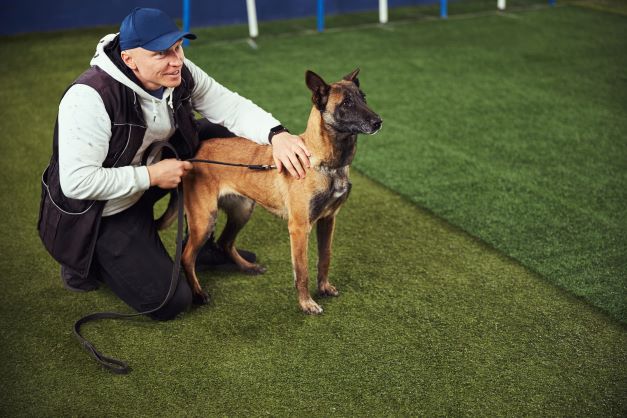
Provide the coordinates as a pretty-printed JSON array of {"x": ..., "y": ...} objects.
[
  {"x": 251, "y": 9},
  {"x": 500, "y": 4},
  {"x": 383, "y": 11}
]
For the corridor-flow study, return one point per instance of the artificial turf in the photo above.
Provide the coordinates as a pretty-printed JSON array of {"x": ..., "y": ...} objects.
[
  {"x": 430, "y": 320},
  {"x": 517, "y": 134}
]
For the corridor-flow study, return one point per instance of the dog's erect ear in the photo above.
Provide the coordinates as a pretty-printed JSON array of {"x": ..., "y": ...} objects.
[
  {"x": 319, "y": 88},
  {"x": 353, "y": 77}
]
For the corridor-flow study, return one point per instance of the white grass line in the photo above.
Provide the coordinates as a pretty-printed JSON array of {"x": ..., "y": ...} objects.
[
  {"x": 251, "y": 42},
  {"x": 386, "y": 26},
  {"x": 509, "y": 15}
]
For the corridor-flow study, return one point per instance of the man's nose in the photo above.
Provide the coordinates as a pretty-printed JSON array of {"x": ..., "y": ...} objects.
[{"x": 176, "y": 60}]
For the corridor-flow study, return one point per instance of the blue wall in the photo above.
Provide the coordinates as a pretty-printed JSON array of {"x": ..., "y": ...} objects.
[{"x": 48, "y": 15}]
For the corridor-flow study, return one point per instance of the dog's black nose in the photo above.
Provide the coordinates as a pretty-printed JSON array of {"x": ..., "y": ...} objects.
[{"x": 376, "y": 124}]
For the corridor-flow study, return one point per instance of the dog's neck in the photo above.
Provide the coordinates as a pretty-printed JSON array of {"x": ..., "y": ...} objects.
[{"x": 330, "y": 149}]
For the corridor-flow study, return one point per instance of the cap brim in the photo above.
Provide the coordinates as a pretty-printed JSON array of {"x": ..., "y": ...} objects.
[{"x": 166, "y": 41}]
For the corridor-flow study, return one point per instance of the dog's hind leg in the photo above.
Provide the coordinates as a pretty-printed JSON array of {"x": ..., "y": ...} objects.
[
  {"x": 324, "y": 233},
  {"x": 238, "y": 209},
  {"x": 201, "y": 218}
]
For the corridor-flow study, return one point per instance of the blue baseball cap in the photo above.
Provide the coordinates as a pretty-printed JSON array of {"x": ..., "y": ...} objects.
[{"x": 150, "y": 29}]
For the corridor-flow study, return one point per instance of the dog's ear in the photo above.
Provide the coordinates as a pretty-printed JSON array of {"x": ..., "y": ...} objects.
[
  {"x": 319, "y": 88},
  {"x": 353, "y": 77}
]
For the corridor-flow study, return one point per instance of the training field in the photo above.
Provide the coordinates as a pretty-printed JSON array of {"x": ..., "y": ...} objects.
[{"x": 481, "y": 258}]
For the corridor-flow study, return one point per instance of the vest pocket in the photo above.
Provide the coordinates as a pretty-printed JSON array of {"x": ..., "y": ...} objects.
[
  {"x": 49, "y": 221},
  {"x": 68, "y": 237}
]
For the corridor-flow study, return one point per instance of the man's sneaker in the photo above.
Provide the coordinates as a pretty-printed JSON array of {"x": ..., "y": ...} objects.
[
  {"x": 73, "y": 281},
  {"x": 211, "y": 256}
]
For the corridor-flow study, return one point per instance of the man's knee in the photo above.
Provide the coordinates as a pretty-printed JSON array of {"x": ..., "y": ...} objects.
[{"x": 180, "y": 302}]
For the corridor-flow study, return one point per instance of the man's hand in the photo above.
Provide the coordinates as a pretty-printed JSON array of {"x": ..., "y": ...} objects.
[
  {"x": 168, "y": 173},
  {"x": 289, "y": 152}
]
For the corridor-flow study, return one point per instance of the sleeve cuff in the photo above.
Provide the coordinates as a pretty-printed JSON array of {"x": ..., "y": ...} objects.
[{"x": 143, "y": 178}]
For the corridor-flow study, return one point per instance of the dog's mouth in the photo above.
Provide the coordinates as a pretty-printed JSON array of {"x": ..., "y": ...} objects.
[{"x": 364, "y": 126}]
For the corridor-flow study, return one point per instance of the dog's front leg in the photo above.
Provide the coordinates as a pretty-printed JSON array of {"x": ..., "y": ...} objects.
[
  {"x": 299, "y": 238},
  {"x": 324, "y": 234}
]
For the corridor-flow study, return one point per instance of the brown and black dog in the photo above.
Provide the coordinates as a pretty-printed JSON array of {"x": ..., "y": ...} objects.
[{"x": 339, "y": 113}]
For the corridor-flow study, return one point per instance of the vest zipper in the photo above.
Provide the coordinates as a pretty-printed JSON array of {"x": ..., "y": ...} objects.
[{"x": 171, "y": 106}]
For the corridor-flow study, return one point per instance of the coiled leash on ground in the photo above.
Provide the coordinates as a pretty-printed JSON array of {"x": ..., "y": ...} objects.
[{"x": 119, "y": 366}]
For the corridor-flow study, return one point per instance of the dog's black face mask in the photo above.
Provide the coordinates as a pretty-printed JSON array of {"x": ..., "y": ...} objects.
[
  {"x": 343, "y": 104},
  {"x": 352, "y": 114}
]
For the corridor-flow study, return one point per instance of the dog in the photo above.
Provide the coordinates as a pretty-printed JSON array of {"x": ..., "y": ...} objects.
[{"x": 338, "y": 115}]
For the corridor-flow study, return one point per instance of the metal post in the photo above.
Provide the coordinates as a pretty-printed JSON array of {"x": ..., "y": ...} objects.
[
  {"x": 320, "y": 15},
  {"x": 443, "y": 9},
  {"x": 186, "y": 18},
  {"x": 500, "y": 4},
  {"x": 251, "y": 10},
  {"x": 383, "y": 11}
]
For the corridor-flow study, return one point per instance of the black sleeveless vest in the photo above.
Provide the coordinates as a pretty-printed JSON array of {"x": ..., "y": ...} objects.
[{"x": 68, "y": 227}]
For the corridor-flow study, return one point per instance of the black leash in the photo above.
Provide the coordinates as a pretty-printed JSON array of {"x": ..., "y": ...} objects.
[
  {"x": 110, "y": 363},
  {"x": 119, "y": 366},
  {"x": 250, "y": 166}
]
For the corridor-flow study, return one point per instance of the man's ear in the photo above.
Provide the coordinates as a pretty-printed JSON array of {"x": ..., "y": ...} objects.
[
  {"x": 319, "y": 88},
  {"x": 128, "y": 60},
  {"x": 353, "y": 77}
]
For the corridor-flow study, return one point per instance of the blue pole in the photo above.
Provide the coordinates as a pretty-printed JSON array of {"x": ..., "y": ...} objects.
[
  {"x": 551, "y": 2},
  {"x": 186, "y": 14},
  {"x": 443, "y": 9},
  {"x": 320, "y": 15}
]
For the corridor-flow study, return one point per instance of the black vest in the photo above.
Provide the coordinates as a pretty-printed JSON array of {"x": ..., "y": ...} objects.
[{"x": 69, "y": 227}]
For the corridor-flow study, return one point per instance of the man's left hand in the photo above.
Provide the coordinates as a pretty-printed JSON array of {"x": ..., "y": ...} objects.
[{"x": 289, "y": 152}]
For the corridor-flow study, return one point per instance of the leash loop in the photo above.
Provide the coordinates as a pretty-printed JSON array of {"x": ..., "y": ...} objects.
[{"x": 118, "y": 366}]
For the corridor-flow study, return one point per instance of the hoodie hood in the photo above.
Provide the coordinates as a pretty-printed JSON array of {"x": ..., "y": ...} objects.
[{"x": 108, "y": 58}]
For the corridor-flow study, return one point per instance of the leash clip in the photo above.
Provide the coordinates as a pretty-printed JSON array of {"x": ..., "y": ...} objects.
[{"x": 261, "y": 167}]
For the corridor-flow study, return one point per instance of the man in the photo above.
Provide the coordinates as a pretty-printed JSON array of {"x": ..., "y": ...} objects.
[{"x": 96, "y": 215}]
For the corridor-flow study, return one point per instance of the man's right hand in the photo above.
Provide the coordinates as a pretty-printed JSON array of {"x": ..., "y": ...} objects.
[{"x": 167, "y": 174}]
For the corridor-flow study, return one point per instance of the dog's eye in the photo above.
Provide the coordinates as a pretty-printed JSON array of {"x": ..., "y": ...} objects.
[{"x": 348, "y": 102}]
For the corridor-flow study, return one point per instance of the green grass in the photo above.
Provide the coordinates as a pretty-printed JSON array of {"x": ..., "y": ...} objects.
[
  {"x": 519, "y": 138},
  {"x": 430, "y": 320}
]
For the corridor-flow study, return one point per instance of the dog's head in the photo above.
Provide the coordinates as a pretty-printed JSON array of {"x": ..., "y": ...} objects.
[{"x": 343, "y": 105}]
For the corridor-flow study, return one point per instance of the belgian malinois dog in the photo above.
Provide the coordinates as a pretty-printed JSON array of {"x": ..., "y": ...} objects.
[{"x": 339, "y": 113}]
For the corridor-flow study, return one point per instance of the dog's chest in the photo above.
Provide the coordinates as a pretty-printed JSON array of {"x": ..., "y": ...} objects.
[{"x": 329, "y": 199}]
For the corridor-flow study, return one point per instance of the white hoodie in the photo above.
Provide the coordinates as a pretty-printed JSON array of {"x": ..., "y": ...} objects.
[{"x": 85, "y": 131}]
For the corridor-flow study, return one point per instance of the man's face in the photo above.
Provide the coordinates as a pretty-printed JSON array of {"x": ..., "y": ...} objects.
[{"x": 156, "y": 69}]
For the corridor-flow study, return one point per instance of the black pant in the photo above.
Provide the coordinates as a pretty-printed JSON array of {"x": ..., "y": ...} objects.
[{"x": 131, "y": 259}]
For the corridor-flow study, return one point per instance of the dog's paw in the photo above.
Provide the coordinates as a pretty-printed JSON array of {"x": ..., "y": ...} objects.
[
  {"x": 310, "y": 307},
  {"x": 328, "y": 290},
  {"x": 255, "y": 269},
  {"x": 201, "y": 298}
]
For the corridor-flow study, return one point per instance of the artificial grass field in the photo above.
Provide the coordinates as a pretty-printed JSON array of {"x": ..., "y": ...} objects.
[
  {"x": 430, "y": 321},
  {"x": 519, "y": 139}
]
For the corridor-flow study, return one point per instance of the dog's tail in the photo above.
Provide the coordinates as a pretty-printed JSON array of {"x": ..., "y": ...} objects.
[{"x": 169, "y": 215}]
